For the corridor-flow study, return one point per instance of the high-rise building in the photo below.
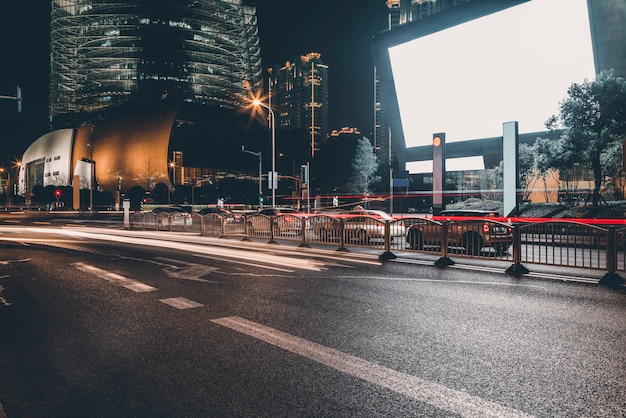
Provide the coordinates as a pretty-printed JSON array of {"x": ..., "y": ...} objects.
[
  {"x": 108, "y": 52},
  {"x": 299, "y": 96},
  {"x": 400, "y": 12}
]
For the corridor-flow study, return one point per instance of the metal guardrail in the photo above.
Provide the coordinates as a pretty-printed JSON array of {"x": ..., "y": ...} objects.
[{"x": 555, "y": 243}]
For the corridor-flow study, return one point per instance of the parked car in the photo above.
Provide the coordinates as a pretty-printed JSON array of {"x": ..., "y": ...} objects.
[
  {"x": 466, "y": 229},
  {"x": 360, "y": 226},
  {"x": 169, "y": 216},
  {"x": 228, "y": 215},
  {"x": 287, "y": 221}
]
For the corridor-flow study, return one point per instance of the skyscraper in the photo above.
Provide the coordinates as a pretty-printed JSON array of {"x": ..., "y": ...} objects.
[
  {"x": 299, "y": 96},
  {"x": 108, "y": 52}
]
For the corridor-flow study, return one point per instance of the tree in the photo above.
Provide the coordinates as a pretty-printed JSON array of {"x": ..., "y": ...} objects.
[
  {"x": 135, "y": 195},
  {"x": 593, "y": 117},
  {"x": 364, "y": 167}
]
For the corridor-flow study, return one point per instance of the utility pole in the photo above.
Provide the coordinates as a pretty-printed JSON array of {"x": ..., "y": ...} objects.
[{"x": 258, "y": 154}]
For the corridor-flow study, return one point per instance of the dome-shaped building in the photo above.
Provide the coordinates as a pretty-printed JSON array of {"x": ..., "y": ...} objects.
[{"x": 143, "y": 143}]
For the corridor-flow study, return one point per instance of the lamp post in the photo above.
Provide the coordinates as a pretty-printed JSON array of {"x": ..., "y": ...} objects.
[
  {"x": 258, "y": 154},
  {"x": 7, "y": 189},
  {"x": 274, "y": 179},
  {"x": 172, "y": 166}
]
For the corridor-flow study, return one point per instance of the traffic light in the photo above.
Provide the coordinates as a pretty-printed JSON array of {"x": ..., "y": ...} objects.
[{"x": 57, "y": 193}]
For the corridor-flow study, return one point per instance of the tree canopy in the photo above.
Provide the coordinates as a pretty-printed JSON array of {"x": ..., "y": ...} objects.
[
  {"x": 364, "y": 167},
  {"x": 593, "y": 119}
]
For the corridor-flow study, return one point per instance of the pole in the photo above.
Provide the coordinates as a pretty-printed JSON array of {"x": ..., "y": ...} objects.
[
  {"x": 391, "y": 191},
  {"x": 274, "y": 173},
  {"x": 308, "y": 188},
  {"x": 90, "y": 177},
  {"x": 258, "y": 154},
  {"x": 9, "y": 190},
  {"x": 260, "y": 182}
]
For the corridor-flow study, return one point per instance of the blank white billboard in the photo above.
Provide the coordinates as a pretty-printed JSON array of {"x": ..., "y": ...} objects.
[{"x": 513, "y": 65}]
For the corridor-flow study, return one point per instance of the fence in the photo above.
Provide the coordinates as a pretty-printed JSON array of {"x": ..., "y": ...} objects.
[{"x": 555, "y": 242}]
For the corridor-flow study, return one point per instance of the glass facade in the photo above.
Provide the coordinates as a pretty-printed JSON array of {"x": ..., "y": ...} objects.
[{"x": 107, "y": 52}]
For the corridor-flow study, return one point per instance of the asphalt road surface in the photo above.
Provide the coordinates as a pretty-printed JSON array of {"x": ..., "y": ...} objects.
[{"x": 97, "y": 323}]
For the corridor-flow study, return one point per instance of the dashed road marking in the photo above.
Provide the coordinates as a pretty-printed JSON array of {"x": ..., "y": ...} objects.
[
  {"x": 181, "y": 303},
  {"x": 437, "y": 395},
  {"x": 114, "y": 278}
]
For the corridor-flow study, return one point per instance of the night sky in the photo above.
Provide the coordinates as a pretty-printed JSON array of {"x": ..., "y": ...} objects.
[{"x": 340, "y": 30}]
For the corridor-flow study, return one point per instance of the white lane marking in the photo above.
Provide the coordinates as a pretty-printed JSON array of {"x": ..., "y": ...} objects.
[
  {"x": 261, "y": 257},
  {"x": 244, "y": 263},
  {"x": 421, "y": 390},
  {"x": 114, "y": 278},
  {"x": 501, "y": 270},
  {"x": 7, "y": 262},
  {"x": 189, "y": 271},
  {"x": 413, "y": 279},
  {"x": 3, "y": 301},
  {"x": 181, "y": 303}
]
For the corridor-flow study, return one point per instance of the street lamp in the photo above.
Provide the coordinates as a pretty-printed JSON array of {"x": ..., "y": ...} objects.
[
  {"x": 274, "y": 180},
  {"x": 8, "y": 189},
  {"x": 172, "y": 166},
  {"x": 258, "y": 154}
]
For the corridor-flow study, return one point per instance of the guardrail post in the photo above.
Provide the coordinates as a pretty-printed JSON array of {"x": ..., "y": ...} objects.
[
  {"x": 611, "y": 278},
  {"x": 342, "y": 240},
  {"x": 272, "y": 240},
  {"x": 303, "y": 230},
  {"x": 246, "y": 226},
  {"x": 222, "y": 220},
  {"x": 444, "y": 260},
  {"x": 517, "y": 268},
  {"x": 387, "y": 255}
]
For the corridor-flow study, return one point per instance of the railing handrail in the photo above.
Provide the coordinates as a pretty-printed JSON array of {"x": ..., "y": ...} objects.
[{"x": 594, "y": 246}]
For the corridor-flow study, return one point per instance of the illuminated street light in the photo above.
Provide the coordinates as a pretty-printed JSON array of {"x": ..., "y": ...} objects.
[
  {"x": 274, "y": 179},
  {"x": 172, "y": 166}
]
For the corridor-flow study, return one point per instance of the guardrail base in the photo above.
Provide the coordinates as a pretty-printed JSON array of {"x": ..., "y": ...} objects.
[
  {"x": 516, "y": 270},
  {"x": 444, "y": 261},
  {"x": 612, "y": 279},
  {"x": 387, "y": 255}
]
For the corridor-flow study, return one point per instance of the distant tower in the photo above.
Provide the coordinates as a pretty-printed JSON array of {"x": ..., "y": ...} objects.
[
  {"x": 400, "y": 12},
  {"x": 299, "y": 96},
  {"x": 106, "y": 53}
]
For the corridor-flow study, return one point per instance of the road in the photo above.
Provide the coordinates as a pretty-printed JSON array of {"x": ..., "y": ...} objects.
[{"x": 106, "y": 323}]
